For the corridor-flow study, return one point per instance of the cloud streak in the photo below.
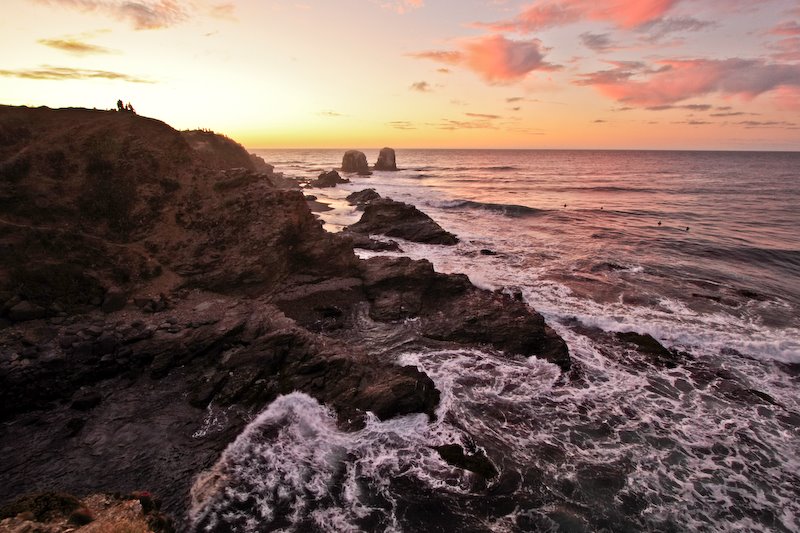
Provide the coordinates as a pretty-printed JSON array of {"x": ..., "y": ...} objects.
[
  {"x": 495, "y": 58},
  {"x": 483, "y": 116},
  {"x": 552, "y": 13},
  {"x": 676, "y": 80},
  {"x": 660, "y": 28},
  {"x": 402, "y": 125},
  {"x": 74, "y": 46},
  {"x": 599, "y": 42},
  {"x": 142, "y": 14},
  {"x": 65, "y": 73}
]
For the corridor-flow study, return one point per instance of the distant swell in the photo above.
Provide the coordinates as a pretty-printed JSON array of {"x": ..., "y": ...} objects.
[
  {"x": 501, "y": 168},
  {"x": 601, "y": 188},
  {"x": 510, "y": 210},
  {"x": 785, "y": 259}
]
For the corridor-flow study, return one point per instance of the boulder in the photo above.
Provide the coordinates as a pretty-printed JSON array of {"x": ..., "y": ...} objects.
[
  {"x": 26, "y": 311},
  {"x": 386, "y": 160},
  {"x": 355, "y": 161},
  {"x": 397, "y": 219},
  {"x": 475, "y": 462},
  {"x": 328, "y": 179},
  {"x": 114, "y": 300},
  {"x": 363, "y": 197}
]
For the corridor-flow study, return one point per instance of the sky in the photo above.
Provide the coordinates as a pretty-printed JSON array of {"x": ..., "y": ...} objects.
[{"x": 585, "y": 74}]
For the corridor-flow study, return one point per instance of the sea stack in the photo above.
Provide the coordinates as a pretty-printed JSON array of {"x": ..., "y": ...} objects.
[
  {"x": 386, "y": 160},
  {"x": 355, "y": 161}
]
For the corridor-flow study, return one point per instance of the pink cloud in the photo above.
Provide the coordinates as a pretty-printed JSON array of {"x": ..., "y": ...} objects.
[
  {"x": 551, "y": 13},
  {"x": 791, "y": 28},
  {"x": 786, "y": 49},
  {"x": 677, "y": 80},
  {"x": 403, "y": 6},
  {"x": 495, "y": 58},
  {"x": 787, "y": 98}
]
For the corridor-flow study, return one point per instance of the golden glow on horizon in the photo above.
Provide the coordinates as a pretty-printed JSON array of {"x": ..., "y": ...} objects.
[{"x": 282, "y": 74}]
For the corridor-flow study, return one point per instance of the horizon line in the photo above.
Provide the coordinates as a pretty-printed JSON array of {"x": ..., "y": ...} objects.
[{"x": 752, "y": 150}]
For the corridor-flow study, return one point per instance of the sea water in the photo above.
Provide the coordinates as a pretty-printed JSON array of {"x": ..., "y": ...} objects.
[{"x": 698, "y": 249}]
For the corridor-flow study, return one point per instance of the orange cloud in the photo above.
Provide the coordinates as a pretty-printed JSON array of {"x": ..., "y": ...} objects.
[
  {"x": 551, "y": 13},
  {"x": 495, "y": 58},
  {"x": 677, "y": 80}
]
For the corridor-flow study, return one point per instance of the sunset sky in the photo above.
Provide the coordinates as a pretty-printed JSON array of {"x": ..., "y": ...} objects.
[{"x": 664, "y": 74}]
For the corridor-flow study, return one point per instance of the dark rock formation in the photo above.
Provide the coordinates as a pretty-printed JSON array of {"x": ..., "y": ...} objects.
[
  {"x": 451, "y": 309},
  {"x": 475, "y": 462},
  {"x": 386, "y": 160},
  {"x": 355, "y": 161},
  {"x": 328, "y": 179},
  {"x": 362, "y": 198},
  {"x": 365, "y": 242},
  {"x": 238, "y": 293},
  {"x": 397, "y": 219},
  {"x": 259, "y": 165}
]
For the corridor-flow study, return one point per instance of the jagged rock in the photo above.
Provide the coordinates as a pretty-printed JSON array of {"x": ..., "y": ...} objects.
[
  {"x": 386, "y": 160},
  {"x": 475, "y": 462},
  {"x": 648, "y": 346},
  {"x": 397, "y": 219},
  {"x": 259, "y": 165},
  {"x": 355, "y": 161},
  {"x": 451, "y": 309},
  {"x": 328, "y": 179},
  {"x": 24, "y": 311},
  {"x": 366, "y": 242},
  {"x": 364, "y": 197}
]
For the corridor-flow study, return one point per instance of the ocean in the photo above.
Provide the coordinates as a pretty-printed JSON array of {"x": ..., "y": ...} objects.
[{"x": 698, "y": 249}]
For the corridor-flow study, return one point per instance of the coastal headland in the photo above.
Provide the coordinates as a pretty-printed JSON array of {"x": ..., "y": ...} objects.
[{"x": 159, "y": 288}]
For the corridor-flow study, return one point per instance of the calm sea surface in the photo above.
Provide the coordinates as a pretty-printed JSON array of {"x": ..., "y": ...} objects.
[{"x": 699, "y": 249}]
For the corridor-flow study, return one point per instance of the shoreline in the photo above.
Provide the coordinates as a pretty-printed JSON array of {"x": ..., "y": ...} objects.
[{"x": 226, "y": 307}]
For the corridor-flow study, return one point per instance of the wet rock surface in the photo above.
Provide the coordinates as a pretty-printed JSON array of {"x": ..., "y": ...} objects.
[
  {"x": 397, "y": 219},
  {"x": 362, "y": 198},
  {"x": 475, "y": 461},
  {"x": 328, "y": 179}
]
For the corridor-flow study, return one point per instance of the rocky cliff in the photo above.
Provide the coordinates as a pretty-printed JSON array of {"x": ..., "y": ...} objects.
[{"x": 158, "y": 288}]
